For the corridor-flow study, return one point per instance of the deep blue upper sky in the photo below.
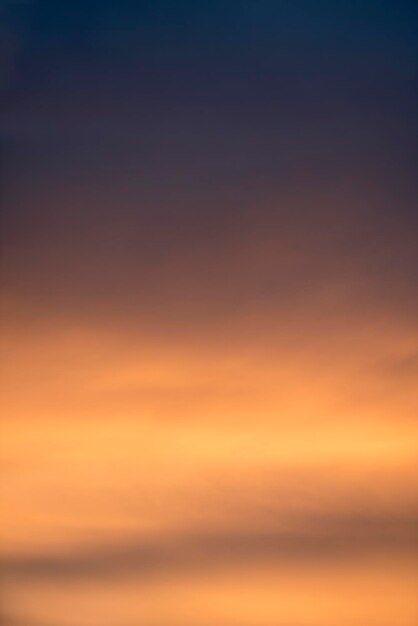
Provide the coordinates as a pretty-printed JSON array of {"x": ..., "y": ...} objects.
[
  {"x": 170, "y": 122},
  {"x": 106, "y": 30}
]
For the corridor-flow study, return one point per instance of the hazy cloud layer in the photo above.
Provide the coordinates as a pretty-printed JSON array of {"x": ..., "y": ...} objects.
[{"x": 350, "y": 535}]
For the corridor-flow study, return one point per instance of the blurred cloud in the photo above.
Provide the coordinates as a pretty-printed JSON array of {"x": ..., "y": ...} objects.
[{"x": 343, "y": 535}]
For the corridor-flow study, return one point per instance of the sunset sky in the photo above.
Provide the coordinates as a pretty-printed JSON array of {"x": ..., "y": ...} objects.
[{"x": 210, "y": 313}]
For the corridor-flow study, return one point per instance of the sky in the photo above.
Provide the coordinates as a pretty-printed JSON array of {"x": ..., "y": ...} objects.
[{"x": 209, "y": 313}]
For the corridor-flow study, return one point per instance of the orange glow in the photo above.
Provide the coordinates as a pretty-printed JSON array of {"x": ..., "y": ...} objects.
[{"x": 105, "y": 446}]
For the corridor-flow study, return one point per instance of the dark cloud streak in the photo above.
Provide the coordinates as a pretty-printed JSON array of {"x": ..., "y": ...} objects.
[{"x": 349, "y": 536}]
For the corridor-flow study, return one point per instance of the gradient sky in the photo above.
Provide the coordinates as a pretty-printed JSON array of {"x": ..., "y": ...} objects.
[{"x": 209, "y": 313}]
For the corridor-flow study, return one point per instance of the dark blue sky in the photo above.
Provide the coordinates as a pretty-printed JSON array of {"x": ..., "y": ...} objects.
[{"x": 136, "y": 131}]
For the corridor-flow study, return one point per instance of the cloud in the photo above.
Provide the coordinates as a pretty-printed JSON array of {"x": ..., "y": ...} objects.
[{"x": 335, "y": 537}]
